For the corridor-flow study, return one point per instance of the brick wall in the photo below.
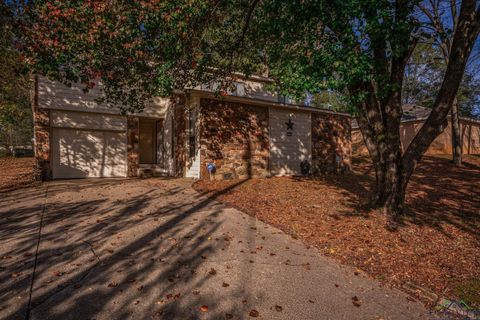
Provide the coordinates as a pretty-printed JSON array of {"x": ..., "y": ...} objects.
[
  {"x": 42, "y": 142},
  {"x": 331, "y": 143},
  {"x": 133, "y": 154},
  {"x": 234, "y": 137}
]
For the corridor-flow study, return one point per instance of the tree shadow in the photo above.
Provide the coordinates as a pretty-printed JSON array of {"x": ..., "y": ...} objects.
[
  {"x": 441, "y": 194},
  {"x": 114, "y": 254},
  {"x": 438, "y": 194}
]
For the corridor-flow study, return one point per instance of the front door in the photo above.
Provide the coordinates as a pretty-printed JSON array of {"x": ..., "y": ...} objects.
[{"x": 147, "y": 143}]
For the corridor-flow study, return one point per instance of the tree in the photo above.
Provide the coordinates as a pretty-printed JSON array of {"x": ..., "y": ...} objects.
[
  {"x": 423, "y": 76},
  {"x": 443, "y": 17},
  {"x": 16, "y": 127},
  {"x": 139, "y": 49},
  {"x": 146, "y": 48},
  {"x": 366, "y": 45}
]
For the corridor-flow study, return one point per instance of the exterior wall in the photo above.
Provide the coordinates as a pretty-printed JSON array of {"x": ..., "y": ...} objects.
[
  {"x": 133, "y": 155},
  {"x": 55, "y": 95},
  {"x": 84, "y": 120},
  {"x": 234, "y": 137},
  {"x": 180, "y": 135},
  {"x": 471, "y": 137},
  {"x": 289, "y": 146},
  {"x": 168, "y": 142},
  {"x": 193, "y": 138},
  {"x": 470, "y": 131},
  {"x": 331, "y": 143},
  {"x": 255, "y": 88},
  {"x": 42, "y": 142}
]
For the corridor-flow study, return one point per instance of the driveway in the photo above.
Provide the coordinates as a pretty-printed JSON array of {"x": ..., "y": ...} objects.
[{"x": 157, "y": 249}]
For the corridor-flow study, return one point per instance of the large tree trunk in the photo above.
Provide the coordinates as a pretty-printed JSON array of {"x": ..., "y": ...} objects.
[{"x": 456, "y": 135}]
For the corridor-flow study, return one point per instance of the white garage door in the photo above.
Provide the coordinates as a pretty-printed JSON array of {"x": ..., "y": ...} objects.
[
  {"x": 290, "y": 141},
  {"x": 83, "y": 150}
]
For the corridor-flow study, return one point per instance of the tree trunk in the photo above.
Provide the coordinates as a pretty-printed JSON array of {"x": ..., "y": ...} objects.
[
  {"x": 379, "y": 121},
  {"x": 464, "y": 37},
  {"x": 456, "y": 135},
  {"x": 395, "y": 201}
]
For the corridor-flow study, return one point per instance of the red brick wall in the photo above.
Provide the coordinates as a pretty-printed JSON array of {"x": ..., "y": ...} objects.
[
  {"x": 42, "y": 142},
  {"x": 133, "y": 154},
  {"x": 235, "y": 137},
  {"x": 331, "y": 143}
]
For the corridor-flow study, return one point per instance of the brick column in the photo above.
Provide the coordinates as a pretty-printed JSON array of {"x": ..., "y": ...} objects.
[
  {"x": 42, "y": 142},
  {"x": 133, "y": 155}
]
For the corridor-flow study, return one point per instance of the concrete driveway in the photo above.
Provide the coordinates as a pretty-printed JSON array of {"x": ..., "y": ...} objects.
[{"x": 156, "y": 249}]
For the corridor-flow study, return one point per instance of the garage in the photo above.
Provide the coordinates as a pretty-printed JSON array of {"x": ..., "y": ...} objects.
[
  {"x": 290, "y": 140},
  {"x": 88, "y": 145}
]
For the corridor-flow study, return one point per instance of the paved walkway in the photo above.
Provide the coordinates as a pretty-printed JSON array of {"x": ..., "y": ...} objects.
[{"x": 156, "y": 249}]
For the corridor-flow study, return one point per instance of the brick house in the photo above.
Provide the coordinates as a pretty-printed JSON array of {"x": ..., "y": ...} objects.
[{"x": 248, "y": 133}]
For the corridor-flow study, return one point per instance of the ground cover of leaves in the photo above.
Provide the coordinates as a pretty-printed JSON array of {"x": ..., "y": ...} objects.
[
  {"x": 16, "y": 172},
  {"x": 435, "y": 250}
]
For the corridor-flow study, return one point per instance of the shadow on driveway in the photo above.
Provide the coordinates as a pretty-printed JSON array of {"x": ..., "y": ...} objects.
[{"x": 154, "y": 248}]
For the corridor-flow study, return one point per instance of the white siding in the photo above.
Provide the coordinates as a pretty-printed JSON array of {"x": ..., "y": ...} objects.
[
  {"x": 168, "y": 141},
  {"x": 85, "y": 120},
  {"x": 288, "y": 150},
  {"x": 258, "y": 90},
  {"x": 245, "y": 88},
  {"x": 55, "y": 95},
  {"x": 193, "y": 164}
]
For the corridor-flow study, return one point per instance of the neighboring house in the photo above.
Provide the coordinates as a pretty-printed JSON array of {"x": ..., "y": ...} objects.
[
  {"x": 412, "y": 120},
  {"x": 246, "y": 134}
]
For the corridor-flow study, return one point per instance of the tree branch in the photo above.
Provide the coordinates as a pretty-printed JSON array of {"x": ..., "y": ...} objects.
[{"x": 462, "y": 44}]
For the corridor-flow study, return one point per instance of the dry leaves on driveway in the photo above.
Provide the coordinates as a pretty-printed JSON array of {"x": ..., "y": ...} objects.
[{"x": 437, "y": 246}]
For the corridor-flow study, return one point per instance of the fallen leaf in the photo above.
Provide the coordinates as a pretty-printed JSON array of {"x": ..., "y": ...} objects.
[
  {"x": 204, "y": 308},
  {"x": 254, "y": 313},
  {"x": 356, "y": 301},
  {"x": 225, "y": 285}
]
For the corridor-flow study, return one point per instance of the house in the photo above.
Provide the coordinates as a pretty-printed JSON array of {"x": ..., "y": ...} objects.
[
  {"x": 413, "y": 118},
  {"x": 248, "y": 133}
]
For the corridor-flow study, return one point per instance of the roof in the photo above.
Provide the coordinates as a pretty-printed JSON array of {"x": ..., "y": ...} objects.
[
  {"x": 260, "y": 102},
  {"x": 413, "y": 112}
]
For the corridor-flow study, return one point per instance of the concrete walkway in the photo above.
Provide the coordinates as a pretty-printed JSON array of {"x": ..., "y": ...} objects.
[{"x": 156, "y": 249}]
